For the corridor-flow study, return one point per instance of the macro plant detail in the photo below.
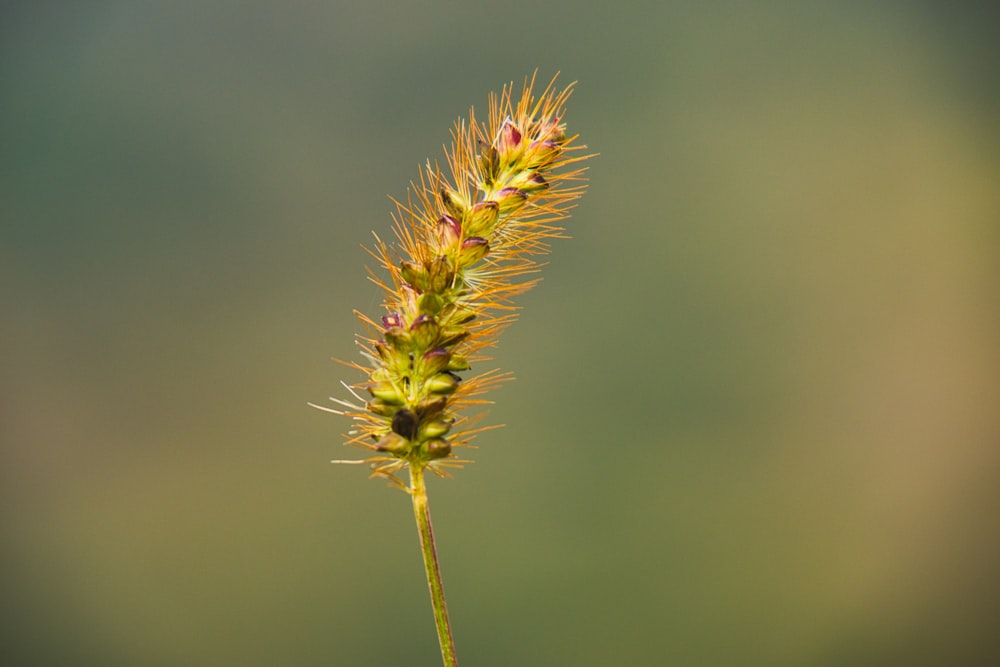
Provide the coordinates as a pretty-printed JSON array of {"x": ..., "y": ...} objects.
[{"x": 466, "y": 243}]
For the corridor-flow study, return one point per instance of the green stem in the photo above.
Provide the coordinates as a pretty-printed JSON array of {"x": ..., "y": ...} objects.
[{"x": 422, "y": 512}]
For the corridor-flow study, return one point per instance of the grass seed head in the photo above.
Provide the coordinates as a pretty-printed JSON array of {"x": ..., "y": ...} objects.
[{"x": 466, "y": 242}]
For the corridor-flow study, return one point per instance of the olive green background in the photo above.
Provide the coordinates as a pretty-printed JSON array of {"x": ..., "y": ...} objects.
[{"x": 756, "y": 415}]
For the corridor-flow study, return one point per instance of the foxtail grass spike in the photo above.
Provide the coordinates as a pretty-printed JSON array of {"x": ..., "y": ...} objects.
[{"x": 467, "y": 240}]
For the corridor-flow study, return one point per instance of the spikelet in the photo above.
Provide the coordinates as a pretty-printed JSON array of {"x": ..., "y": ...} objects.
[{"x": 466, "y": 243}]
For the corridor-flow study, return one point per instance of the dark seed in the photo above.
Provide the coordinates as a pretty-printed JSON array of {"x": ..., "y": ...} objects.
[{"x": 405, "y": 423}]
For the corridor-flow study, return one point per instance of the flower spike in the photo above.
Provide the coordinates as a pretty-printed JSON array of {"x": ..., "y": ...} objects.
[{"x": 466, "y": 243}]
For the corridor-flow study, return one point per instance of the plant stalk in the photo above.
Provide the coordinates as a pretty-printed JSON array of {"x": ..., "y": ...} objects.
[{"x": 422, "y": 512}]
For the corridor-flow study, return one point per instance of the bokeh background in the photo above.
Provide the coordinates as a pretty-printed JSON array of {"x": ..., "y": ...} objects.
[{"x": 756, "y": 415}]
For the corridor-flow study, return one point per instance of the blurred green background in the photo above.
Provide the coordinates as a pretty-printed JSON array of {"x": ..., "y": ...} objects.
[{"x": 756, "y": 415}]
